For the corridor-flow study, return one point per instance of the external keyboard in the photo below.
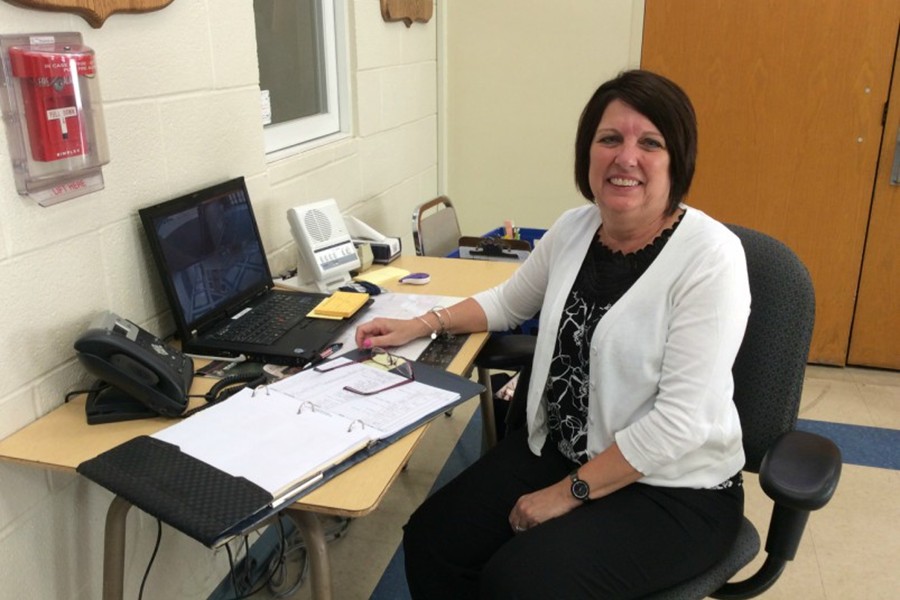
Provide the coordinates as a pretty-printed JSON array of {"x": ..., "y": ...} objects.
[{"x": 441, "y": 351}]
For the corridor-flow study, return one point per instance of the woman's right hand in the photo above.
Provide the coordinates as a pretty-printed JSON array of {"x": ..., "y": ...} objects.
[{"x": 387, "y": 333}]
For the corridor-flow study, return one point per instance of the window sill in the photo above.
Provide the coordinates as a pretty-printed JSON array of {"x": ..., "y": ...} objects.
[{"x": 306, "y": 146}]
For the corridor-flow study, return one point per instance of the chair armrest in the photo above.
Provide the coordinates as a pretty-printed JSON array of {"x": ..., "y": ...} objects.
[
  {"x": 510, "y": 352},
  {"x": 801, "y": 470},
  {"x": 800, "y": 473}
]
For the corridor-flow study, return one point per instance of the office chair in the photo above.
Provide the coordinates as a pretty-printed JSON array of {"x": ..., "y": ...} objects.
[
  {"x": 435, "y": 228},
  {"x": 799, "y": 471}
]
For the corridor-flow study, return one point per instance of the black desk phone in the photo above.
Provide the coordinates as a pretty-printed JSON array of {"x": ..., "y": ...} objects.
[{"x": 145, "y": 376}]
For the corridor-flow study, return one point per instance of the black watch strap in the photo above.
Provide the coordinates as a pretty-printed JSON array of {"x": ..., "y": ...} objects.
[{"x": 579, "y": 488}]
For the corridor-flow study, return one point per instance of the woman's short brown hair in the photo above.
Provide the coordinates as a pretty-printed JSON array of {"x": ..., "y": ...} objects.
[{"x": 668, "y": 108}]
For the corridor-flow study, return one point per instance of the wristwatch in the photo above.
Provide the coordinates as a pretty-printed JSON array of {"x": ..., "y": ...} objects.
[{"x": 580, "y": 488}]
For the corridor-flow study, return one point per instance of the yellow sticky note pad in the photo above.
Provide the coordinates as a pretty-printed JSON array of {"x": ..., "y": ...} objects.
[
  {"x": 382, "y": 275},
  {"x": 340, "y": 305}
]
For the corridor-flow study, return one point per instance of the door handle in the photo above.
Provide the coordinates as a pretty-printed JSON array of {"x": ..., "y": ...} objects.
[{"x": 895, "y": 170}]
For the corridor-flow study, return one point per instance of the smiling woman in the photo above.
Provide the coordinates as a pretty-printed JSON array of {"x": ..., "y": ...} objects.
[
  {"x": 629, "y": 177},
  {"x": 670, "y": 120},
  {"x": 626, "y": 479}
]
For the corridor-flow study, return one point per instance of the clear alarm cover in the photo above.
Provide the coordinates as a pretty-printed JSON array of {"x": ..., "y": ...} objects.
[{"x": 53, "y": 112}]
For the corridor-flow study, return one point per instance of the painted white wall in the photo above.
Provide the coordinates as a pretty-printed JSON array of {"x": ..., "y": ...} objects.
[
  {"x": 517, "y": 75},
  {"x": 181, "y": 100}
]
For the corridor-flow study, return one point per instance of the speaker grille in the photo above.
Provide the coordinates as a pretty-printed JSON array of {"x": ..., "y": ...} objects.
[{"x": 318, "y": 225}]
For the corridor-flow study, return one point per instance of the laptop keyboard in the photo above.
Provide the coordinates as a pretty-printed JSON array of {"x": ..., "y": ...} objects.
[{"x": 269, "y": 320}]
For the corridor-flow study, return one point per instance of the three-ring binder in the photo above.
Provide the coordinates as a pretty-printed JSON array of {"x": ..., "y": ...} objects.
[{"x": 238, "y": 461}]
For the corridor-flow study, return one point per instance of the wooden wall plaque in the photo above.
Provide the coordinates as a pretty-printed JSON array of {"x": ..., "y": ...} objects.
[
  {"x": 407, "y": 10},
  {"x": 94, "y": 12}
]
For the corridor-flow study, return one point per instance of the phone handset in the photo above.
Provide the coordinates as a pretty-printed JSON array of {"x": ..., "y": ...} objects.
[{"x": 136, "y": 364}]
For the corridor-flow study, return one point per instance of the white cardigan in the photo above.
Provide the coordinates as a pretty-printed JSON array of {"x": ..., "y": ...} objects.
[{"x": 661, "y": 357}]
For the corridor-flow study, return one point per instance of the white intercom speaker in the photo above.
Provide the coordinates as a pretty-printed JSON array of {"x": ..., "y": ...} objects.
[{"x": 327, "y": 254}]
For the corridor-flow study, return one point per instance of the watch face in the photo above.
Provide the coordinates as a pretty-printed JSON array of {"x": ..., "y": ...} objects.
[{"x": 580, "y": 489}]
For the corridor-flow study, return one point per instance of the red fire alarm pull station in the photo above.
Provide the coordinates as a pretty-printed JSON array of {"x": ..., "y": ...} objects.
[
  {"x": 49, "y": 81},
  {"x": 53, "y": 111}
]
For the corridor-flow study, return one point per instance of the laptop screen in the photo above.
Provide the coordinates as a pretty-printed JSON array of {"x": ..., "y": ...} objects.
[{"x": 208, "y": 251}]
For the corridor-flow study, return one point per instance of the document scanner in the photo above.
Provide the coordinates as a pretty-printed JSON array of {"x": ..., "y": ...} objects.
[{"x": 384, "y": 249}]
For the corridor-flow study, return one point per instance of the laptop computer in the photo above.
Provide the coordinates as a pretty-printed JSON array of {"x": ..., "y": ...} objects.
[{"x": 210, "y": 257}]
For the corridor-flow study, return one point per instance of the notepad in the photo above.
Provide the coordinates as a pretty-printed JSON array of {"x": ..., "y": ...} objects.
[
  {"x": 340, "y": 305},
  {"x": 382, "y": 275}
]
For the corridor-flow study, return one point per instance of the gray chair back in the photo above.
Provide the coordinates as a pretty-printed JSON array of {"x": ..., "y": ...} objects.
[
  {"x": 435, "y": 228},
  {"x": 771, "y": 364},
  {"x": 768, "y": 380}
]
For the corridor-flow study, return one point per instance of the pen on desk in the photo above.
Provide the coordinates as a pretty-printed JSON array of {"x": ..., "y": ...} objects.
[{"x": 328, "y": 351}]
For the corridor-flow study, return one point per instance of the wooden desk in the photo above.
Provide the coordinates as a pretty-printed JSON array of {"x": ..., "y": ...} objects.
[{"x": 62, "y": 439}]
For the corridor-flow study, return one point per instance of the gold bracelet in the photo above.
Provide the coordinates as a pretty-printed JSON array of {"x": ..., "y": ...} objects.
[
  {"x": 434, "y": 333},
  {"x": 436, "y": 311}
]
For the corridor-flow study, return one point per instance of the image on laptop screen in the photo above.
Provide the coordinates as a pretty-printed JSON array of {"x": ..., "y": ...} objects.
[{"x": 212, "y": 252}]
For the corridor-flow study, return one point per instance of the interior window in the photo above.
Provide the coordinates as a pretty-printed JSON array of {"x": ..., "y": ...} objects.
[{"x": 301, "y": 55}]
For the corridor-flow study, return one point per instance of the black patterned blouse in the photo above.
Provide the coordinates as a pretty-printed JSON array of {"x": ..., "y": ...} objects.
[{"x": 604, "y": 277}]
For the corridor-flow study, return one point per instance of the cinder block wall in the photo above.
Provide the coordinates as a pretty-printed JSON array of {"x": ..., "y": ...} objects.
[{"x": 181, "y": 101}]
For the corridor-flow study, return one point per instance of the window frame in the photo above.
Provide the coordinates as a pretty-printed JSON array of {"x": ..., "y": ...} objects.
[{"x": 300, "y": 134}]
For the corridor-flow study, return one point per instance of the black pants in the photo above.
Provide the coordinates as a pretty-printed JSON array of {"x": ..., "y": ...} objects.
[{"x": 640, "y": 539}]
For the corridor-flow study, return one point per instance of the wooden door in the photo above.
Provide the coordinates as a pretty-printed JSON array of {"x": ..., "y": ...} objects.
[
  {"x": 790, "y": 99},
  {"x": 875, "y": 338}
]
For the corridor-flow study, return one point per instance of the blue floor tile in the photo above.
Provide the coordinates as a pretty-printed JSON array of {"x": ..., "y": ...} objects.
[{"x": 865, "y": 446}]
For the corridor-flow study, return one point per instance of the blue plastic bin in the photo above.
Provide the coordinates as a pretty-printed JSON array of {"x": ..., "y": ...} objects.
[{"x": 529, "y": 234}]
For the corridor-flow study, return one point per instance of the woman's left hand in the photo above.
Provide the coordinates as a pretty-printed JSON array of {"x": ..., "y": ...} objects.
[
  {"x": 606, "y": 473},
  {"x": 535, "y": 508}
]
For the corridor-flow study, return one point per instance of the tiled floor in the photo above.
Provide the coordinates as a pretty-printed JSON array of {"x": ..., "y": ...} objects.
[{"x": 851, "y": 548}]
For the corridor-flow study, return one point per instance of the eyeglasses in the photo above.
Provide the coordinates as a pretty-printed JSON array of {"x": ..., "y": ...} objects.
[{"x": 381, "y": 357}]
